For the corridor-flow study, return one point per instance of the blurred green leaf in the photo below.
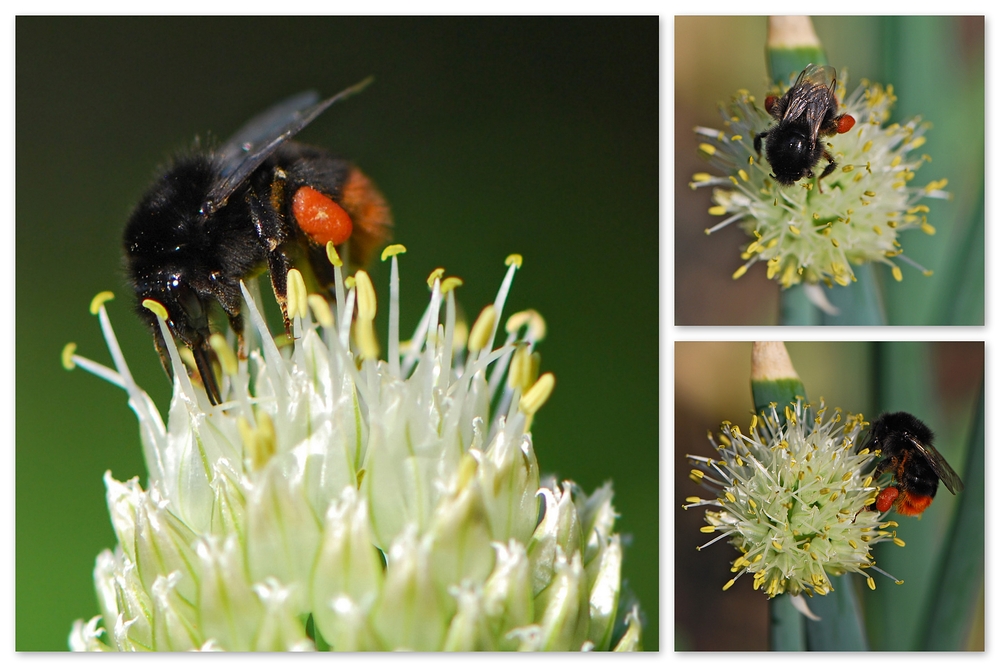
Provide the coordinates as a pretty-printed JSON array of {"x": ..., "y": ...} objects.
[
  {"x": 961, "y": 573},
  {"x": 894, "y": 613},
  {"x": 937, "y": 74}
]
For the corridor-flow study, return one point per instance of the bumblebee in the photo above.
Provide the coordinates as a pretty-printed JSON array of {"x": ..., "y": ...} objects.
[
  {"x": 805, "y": 113},
  {"x": 908, "y": 453},
  {"x": 259, "y": 201}
]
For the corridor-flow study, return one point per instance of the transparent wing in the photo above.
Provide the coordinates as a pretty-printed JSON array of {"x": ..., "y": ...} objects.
[
  {"x": 262, "y": 135},
  {"x": 811, "y": 95},
  {"x": 262, "y": 129},
  {"x": 938, "y": 464}
]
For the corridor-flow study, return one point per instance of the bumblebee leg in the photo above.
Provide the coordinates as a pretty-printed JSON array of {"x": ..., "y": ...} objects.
[
  {"x": 278, "y": 265},
  {"x": 202, "y": 360},
  {"x": 272, "y": 232},
  {"x": 830, "y": 167},
  {"x": 756, "y": 142},
  {"x": 236, "y": 323},
  {"x": 884, "y": 466}
]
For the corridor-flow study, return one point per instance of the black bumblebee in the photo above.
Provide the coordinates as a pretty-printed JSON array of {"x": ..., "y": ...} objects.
[
  {"x": 216, "y": 217},
  {"x": 908, "y": 453},
  {"x": 805, "y": 113}
]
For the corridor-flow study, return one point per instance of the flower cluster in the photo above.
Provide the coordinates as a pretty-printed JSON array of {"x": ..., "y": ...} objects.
[
  {"x": 810, "y": 234},
  {"x": 337, "y": 501},
  {"x": 792, "y": 499}
]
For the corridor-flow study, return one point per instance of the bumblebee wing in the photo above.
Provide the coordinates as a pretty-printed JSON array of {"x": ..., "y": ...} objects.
[
  {"x": 262, "y": 135},
  {"x": 938, "y": 464},
  {"x": 809, "y": 95},
  {"x": 263, "y": 128},
  {"x": 818, "y": 75}
]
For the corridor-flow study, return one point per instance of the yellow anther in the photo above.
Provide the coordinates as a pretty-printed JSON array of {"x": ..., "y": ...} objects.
[
  {"x": 297, "y": 295},
  {"x": 332, "y": 255},
  {"x": 869, "y": 193},
  {"x": 918, "y": 142},
  {"x": 740, "y": 271},
  {"x": 224, "y": 353},
  {"x": 349, "y": 282},
  {"x": 795, "y": 230},
  {"x": 717, "y": 210},
  {"x": 729, "y": 584},
  {"x": 466, "y": 470},
  {"x": 246, "y": 435},
  {"x": 896, "y": 161},
  {"x": 67, "y": 356},
  {"x": 364, "y": 336},
  {"x": 871, "y": 583},
  {"x": 450, "y": 283},
  {"x": 854, "y": 545},
  {"x": 366, "y": 296},
  {"x": 393, "y": 250},
  {"x": 897, "y": 274},
  {"x": 927, "y": 228},
  {"x": 321, "y": 310},
  {"x": 697, "y": 475},
  {"x": 519, "y": 374},
  {"x": 155, "y": 307},
  {"x": 730, "y": 497},
  {"x": 692, "y": 499},
  {"x": 482, "y": 329},
  {"x": 776, "y": 545},
  {"x": 707, "y": 529},
  {"x": 535, "y": 397},
  {"x": 898, "y": 542},
  {"x": 847, "y": 476},
  {"x": 736, "y": 137},
  {"x": 847, "y": 168},
  {"x": 99, "y": 300},
  {"x": 436, "y": 274},
  {"x": 531, "y": 318},
  {"x": 707, "y": 149},
  {"x": 515, "y": 259},
  {"x": 187, "y": 356},
  {"x": 867, "y": 147},
  {"x": 701, "y": 177},
  {"x": 264, "y": 439}
]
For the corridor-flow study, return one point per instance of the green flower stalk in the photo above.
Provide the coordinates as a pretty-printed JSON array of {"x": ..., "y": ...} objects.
[
  {"x": 338, "y": 501},
  {"x": 792, "y": 500},
  {"x": 812, "y": 234}
]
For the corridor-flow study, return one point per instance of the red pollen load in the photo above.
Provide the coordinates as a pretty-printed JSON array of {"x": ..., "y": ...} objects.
[
  {"x": 321, "y": 218},
  {"x": 886, "y": 498},
  {"x": 845, "y": 123}
]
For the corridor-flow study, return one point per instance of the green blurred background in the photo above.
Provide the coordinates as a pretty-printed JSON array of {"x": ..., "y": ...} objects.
[
  {"x": 488, "y": 136},
  {"x": 941, "y": 384},
  {"x": 936, "y": 66}
]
